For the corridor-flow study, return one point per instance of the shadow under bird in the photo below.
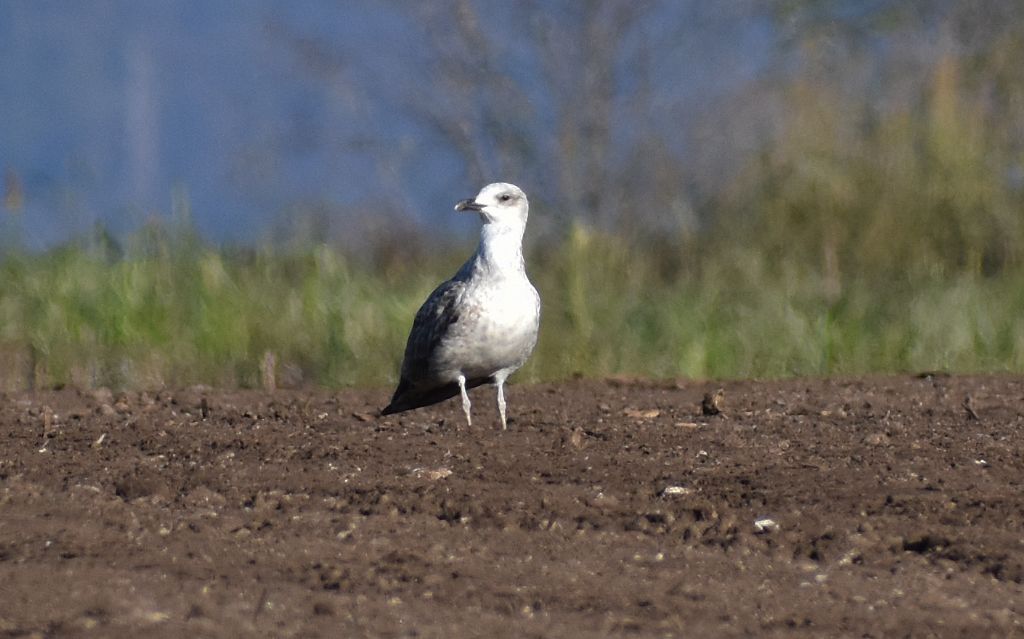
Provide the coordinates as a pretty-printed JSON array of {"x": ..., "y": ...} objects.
[{"x": 480, "y": 326}]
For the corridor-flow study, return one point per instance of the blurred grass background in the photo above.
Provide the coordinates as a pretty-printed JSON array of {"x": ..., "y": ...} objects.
[
  {"x": 864, "y": 236},
  {"x": 177, "y": 312}
]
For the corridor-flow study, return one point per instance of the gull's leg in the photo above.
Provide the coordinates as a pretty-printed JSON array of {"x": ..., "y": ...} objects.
[
  {"x": 500, "y": 381},
  {"x": 465, "y": 399}
]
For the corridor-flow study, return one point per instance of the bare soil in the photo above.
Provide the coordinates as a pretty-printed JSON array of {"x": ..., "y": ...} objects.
[{"x": 873, "y": 507}]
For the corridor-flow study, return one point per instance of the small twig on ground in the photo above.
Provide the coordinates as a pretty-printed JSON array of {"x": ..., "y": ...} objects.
[{"x": 969, "y": 407}]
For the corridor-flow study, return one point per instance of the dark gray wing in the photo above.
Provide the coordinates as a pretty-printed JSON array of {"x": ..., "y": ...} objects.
[{"x": 433, "y": 321}]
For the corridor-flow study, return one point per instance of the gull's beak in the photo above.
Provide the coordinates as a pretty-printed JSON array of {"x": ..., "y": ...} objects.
[{"x": 468, "y": 205}]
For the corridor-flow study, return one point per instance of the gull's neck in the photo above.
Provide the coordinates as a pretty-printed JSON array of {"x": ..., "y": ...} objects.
[{"x": 501, "y": 248}]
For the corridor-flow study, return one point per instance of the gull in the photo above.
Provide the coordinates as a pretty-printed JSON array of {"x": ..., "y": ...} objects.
[{"x": 480, "y": 326}]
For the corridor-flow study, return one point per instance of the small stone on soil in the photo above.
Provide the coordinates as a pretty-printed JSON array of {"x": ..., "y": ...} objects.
[{"x": 765, "y": 525}]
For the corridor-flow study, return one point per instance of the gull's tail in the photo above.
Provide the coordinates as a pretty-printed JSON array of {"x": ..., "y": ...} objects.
[{"x": 407, "y": 397}]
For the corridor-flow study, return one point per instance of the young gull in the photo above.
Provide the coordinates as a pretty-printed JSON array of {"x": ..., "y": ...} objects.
[{"x": 480, "y": 326}]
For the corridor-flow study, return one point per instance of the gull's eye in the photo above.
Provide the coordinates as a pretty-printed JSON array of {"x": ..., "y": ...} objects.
[{"x": 505, "y": 197}]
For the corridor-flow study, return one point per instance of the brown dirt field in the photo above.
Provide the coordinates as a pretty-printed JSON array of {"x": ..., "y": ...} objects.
[{"x": 607, "y": 509}]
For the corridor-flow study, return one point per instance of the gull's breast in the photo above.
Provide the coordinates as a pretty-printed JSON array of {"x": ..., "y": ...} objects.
[{"x": 496, "y": 330}]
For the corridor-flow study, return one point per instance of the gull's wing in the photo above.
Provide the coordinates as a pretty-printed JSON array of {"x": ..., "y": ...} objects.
[{"x": 433, "y": 322}]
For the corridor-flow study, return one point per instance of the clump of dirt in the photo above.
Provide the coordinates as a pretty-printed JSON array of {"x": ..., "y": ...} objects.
[{"x": 863, "y": 507}]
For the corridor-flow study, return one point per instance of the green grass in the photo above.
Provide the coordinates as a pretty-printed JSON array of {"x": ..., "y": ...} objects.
[{"x": 186, "y": 313}]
